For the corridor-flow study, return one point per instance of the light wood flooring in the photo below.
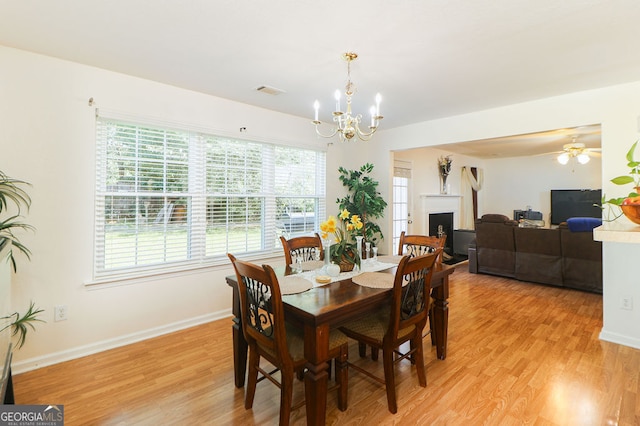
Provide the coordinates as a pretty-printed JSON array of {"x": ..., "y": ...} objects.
[{"x": 519, "y": 354}]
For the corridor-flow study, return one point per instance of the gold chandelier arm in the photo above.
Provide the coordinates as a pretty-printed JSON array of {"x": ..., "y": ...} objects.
[
  {"x": 317, "y": 124},
  {"x": 364, "y": 135}
]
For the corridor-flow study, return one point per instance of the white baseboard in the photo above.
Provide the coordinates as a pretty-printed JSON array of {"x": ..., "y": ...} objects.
[
  {"x": 620, "y": 339},
  {"x": 80, "y": 351}
]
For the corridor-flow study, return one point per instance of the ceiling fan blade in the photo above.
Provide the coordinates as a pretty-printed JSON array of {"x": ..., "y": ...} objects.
[{"x": 550, "y": 153}]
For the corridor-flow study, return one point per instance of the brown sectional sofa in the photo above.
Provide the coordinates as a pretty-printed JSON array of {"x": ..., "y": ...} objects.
[{"x": 556, "y": 257}]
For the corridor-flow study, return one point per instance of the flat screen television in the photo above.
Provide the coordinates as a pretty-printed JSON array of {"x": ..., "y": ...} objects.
[{"x": 566, "y": 203}]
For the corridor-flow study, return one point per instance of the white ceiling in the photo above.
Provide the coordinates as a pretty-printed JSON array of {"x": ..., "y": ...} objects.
[
  {"x": 548, "y": 143},
  {"x": 428, "y": 58}
]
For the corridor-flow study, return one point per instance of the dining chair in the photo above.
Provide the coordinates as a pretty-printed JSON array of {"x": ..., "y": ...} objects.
[
  {"x": 416, "y": 245},
  {"x": 303, "y": 248},
  {"x": 269, "y": 336},
  {"x": 401, "y": 321}
]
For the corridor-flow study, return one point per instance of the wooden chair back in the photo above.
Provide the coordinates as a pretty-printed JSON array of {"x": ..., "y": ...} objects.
[
  {"x": 411, "y": 299},
  {"x": 417, "y": 245},
  {"x": 303, "y": 248},
  {"x": 262, "y": 309}
]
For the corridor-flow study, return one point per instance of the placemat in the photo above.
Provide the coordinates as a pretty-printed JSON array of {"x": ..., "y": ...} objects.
[
  {"x": 292, "y": 284},
  {"x": 310, "y": 265},
  {"x": 374, "y": 279},
  {"x": 390, "y": 259}
]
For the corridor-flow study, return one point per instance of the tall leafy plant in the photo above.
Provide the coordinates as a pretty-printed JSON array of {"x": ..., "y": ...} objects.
[
  {"x": 13, "y": 197},
  {"x": 363, "y": 199},
  {"x": 12, "y": 194}
]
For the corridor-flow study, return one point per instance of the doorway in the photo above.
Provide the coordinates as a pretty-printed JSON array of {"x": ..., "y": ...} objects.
[{"x": 401, "y": 201}]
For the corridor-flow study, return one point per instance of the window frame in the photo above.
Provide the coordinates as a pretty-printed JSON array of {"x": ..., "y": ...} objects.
[{"x": 198, "y": 193}]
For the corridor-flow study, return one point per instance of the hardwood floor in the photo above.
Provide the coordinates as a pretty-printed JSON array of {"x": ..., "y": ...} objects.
[{"x": 518, "y": 354}]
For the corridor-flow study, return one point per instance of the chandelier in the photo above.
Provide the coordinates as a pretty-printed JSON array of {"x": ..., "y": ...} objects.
[
  {"x": 346, "y": 124},
  {"x": 575, "y": 150}
]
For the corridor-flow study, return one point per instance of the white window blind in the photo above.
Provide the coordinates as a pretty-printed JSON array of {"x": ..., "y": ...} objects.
[
  {"x": 299, "y": 211},
  {"x": 168, "y": 198}
]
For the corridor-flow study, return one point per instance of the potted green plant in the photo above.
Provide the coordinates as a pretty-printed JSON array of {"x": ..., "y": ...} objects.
[
  {"x": 363, "y": 200},
  {"x": 630, "y": 204},
  {"x": 13, "y": 196}
]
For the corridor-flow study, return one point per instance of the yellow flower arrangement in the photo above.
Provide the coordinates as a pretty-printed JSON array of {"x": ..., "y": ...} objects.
[{"x": 343, "y": 246}]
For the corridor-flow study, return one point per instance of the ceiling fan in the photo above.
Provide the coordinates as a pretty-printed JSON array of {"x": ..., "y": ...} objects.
[{"x": 576, "y": 150}]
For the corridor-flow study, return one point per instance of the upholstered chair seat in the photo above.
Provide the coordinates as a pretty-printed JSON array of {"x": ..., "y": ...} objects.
[{"x": 402, "y": 320}]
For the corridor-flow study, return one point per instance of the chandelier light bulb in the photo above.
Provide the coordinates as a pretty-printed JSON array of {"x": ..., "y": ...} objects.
[
  {"x": 583, "y": 158},
  {"x": 563, "y": 158},
  {"x": 316, "y": 107}
]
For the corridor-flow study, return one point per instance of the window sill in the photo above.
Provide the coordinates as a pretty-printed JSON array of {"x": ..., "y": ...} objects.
[{"x": 164, "y": 274}]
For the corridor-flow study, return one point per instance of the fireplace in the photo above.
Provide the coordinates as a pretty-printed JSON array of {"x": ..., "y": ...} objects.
[
  {"x": 442, "y": 223},
  {"x": 442, "y": 210},
  {"x": 439, "y": 203}
]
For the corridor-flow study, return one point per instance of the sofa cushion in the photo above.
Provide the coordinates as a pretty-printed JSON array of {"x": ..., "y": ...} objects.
[
  {"x": 583, "y": 224},
  {"x": 495, "y": 245},
  {"x": 494, "y": 218},
  {"x": 582, "y": 260},
  {"x": 538, "y": 255}
]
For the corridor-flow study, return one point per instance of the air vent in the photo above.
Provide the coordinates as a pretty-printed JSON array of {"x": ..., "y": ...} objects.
[{"x": 270, "y": 90}]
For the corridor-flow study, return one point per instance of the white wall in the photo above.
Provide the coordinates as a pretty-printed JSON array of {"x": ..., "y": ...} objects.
[
  {"x": 516, "y": 183},
  {"x": 47, "y": 139},
  {"x": 425, "y": 178},
  {"x": 616, "y": 108}
]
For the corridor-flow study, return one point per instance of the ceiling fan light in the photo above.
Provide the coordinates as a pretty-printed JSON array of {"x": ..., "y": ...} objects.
[
  {"x": 583, "y": 158},
  {"x": 563, "y": 158}
]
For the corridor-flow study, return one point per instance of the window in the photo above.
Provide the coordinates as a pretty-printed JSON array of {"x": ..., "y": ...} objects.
[
  {"x": 168, "y": 198},
  {"x": 401, "y": 212}
]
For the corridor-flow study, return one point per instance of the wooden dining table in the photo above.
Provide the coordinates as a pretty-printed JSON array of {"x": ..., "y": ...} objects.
[{"x": 323, "y": 307}]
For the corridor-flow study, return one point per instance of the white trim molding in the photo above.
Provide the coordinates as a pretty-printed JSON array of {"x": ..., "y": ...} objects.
[
  {"x": 440, "y": 203},
  {"x": 81, "y": 351}
]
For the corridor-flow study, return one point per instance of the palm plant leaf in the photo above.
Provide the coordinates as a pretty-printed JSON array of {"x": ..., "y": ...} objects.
[
  {"x": 12, "y": 194},
  {"x": 11, "y": 190},
  {"x": 22, "y": 323}
]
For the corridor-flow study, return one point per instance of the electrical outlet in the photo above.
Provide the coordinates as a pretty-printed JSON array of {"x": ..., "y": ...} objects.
[
  {"x": 60, "y": 312},
  {"x": 626, "y": 302}
]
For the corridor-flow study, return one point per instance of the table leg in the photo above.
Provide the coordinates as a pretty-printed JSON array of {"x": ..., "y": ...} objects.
[
  {"x": 316, "y": 350},
  {"x": 239, "y": 344},
  {"x": 440, "y": 317}
]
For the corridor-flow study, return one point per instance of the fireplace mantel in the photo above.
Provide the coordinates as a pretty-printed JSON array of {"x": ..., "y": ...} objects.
[{"x": 440, "y": 203}]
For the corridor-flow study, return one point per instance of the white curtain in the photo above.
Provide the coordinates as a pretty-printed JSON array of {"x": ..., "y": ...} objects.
[{"x": 469, "y": 184}]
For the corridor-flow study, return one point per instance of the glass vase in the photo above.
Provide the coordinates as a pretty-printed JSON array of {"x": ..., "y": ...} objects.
[
  {"x": 326, "y": 246},
  {"x": 359, "y": 245},
  {"x": 443, "y": 184}
]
